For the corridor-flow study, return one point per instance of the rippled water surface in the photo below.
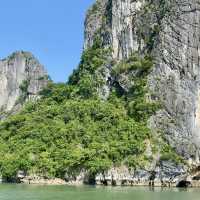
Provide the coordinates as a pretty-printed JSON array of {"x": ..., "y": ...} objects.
[{"x": 28, "y": 192}]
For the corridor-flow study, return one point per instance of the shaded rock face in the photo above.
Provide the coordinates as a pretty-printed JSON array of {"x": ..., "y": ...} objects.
[
  {"x": 21, "y": 78},
  {"x": 170, "y": 32},
  {"x": 167, "y": 174}
]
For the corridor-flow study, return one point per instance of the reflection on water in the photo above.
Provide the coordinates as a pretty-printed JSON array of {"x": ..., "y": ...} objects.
[
  {"x": 161, "y": 189},
  {"x": 34, "y": 192}
]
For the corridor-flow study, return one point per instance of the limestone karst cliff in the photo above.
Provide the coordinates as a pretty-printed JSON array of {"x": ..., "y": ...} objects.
[
  {"x": 21, "y": 78},
  {"x": 169, "y": 31},
  {"x": 129, "y": 114}
]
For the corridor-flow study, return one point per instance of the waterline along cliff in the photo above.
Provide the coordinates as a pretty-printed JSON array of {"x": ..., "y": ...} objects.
[{"x": 129, "y": 113}]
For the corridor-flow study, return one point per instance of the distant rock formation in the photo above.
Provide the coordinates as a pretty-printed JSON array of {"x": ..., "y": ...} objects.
[{"x": 21, "y": 78}]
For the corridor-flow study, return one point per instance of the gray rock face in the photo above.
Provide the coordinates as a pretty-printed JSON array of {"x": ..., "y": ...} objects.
[
  {"x": 170, "y": 31},
  {"x": 167, "y": 174},
  {"x": 178, "y": 68},
  {"x": 94, "y": 21},
  {"x": 21, "y": 78},
  {"x": 116, "y": 19}
]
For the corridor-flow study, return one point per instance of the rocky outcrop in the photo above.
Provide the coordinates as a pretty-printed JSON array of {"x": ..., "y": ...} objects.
[
  {"x": 169, "y": 31},
  {"x": 167, "y": 174},
  {"x": 21, "y": 78},
  {"x": 38, "y": 180}
]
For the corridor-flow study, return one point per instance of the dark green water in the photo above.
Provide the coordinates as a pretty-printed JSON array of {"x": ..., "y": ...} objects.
[{"x": 26, "y": 192}]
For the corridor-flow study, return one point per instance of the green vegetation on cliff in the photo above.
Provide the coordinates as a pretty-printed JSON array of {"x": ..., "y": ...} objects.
[{"x": 70, "y": 128}]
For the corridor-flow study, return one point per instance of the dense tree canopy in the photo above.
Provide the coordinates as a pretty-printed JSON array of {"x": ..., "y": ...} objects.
[{"x": 70, "y": 128}]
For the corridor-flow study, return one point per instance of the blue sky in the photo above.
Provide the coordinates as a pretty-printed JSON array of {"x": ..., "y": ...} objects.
[{"x": 51, "y": 29}]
